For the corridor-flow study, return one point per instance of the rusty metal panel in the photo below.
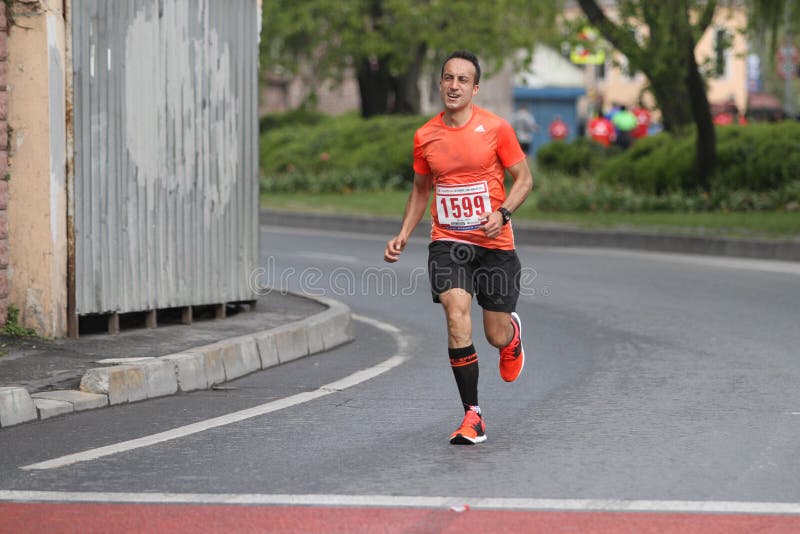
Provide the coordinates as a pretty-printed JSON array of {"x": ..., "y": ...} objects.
[{"x": 166, "y": 152}]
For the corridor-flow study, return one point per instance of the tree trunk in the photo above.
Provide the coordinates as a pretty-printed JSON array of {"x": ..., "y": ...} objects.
[
  {"x": 408, "y": 98},
  {"x": 672, "y": 100},
  {"x": 706, "y": 156},
  {"x": 374, "y": 86}
]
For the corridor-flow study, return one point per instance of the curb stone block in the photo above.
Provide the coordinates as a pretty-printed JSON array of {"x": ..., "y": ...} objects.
[
  {"x": 291, "y": 342},
  {"x": 16, "y": 406},
  {"x": 314, "y": 335},
  {"x": 334, "y": 324},
  {"x": 190, "y": 370},
  {"x": 80, "y": 400},
  {"x": 160, "y": 378},
  {"x": 48, "y": 408},
  {"x": 213, "y": 363},
  {"x": 267, "y": 350},
  {"x": 122, "y": 383},
  {"x": 329, "y": 329},
  {"x": 240, "y": 357}
]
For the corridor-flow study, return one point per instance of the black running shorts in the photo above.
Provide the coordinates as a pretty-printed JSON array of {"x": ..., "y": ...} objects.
[{"x": 493, "y": 276}]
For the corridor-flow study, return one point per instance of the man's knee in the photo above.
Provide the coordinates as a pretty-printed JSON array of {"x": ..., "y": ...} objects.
[
  {"x": 456, "y": 303},
  {"x": 497, "y": 329},
  {"x": 497, "y": 337}
]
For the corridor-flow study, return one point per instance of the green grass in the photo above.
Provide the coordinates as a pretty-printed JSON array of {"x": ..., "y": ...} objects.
[{"x": 392, "y": 204}]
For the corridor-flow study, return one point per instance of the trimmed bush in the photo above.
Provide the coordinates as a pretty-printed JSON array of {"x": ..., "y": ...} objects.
[
  {"x": 656, "y": 165},
  {"x": 295, "y": 117},
  {"x": 579, "y": 156},
  {"x": 757, "y": 165},
  {"x": 557, "y": 192},
  {"x": 373, "y": 153},
  {"x": 756, "y": 157},
  {"x": 338, "y": 181}
]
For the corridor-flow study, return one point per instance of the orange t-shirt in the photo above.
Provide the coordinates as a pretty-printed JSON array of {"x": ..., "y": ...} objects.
[{"x": 468, "y": 168}]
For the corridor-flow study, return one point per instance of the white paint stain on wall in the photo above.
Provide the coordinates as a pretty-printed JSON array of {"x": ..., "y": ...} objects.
[
  {"x": 181, "y": 119},
  {"x": 57, "y": 130}
]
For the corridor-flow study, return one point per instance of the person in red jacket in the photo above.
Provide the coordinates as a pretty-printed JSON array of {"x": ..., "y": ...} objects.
[
  {"x": 642, "y": 122},
  {"x": 601, "y": 129},
  {"x": 558, "y": 129}
]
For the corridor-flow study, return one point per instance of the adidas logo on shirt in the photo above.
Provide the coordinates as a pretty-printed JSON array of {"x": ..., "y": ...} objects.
[{"x": 480, "y": 128}]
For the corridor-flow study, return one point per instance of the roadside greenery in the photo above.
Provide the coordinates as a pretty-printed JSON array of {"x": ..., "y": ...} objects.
[
  {"x": 337, "y": 154},
  {"x": 757, "y": 171},
  {"x": 718, "y": 223},
  {"x": 12, "y": 328}
]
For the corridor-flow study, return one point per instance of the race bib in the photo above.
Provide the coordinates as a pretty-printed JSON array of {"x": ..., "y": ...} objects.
[{"x": 461, "y": 207}]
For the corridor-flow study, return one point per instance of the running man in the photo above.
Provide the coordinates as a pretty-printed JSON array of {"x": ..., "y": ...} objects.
[{"x": 462, "y": 155}]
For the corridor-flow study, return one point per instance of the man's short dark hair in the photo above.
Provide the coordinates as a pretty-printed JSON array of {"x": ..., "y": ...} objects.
[{"x": 469, "y": 56}]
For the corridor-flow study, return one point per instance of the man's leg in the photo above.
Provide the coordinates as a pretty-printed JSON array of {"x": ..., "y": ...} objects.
[
  {"x": 497, "y": 287},
  {"x": 464, "y": 362},
  {"x": 463, "y": 358},
  {"x": 498, "y": 328},
  {"x": 504, "y": 331}
]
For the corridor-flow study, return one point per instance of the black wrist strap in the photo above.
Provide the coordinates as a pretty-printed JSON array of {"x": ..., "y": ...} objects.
[{"x": 506, "y": 215}]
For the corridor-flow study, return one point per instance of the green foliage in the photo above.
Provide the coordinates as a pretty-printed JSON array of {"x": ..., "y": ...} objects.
[
  {"x": 757, "y": 157},
  {"x": 658, "y": 164},
  {"x": 342, "y": 153},
  {"x": 330, "y": 37},
  {"x": 12, "y": 327},
  {"x": 332, "y": 181},
  {"x": 295, "y": 117},
  {"x": 581, "y": 155},
  {"x": 756, "y": 170},
  {"x": 556, "y": 192}
]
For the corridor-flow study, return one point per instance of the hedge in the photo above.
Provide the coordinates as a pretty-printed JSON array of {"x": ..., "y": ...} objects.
[
  {"x": 375, "y": 152},
  {"x": 757, "y": 157}
]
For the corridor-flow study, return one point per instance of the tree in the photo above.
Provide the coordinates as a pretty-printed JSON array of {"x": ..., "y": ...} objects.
[
  {"x": 773, "y": 19},
  {"x": 773, "y": 24},
  {"x": 666, "y": 56},
  {"x": 389, "y": 43}
]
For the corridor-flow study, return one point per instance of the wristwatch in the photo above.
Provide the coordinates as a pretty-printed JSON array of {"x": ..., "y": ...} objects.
[{"x": 506, "y": 215}]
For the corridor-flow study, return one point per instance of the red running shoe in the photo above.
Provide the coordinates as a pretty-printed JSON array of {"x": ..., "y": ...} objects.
[
  {"x": 471, "y": 431},
  {"x": 512, "y": 356}
]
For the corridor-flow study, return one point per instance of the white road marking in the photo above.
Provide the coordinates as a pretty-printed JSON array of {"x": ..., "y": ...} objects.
[
  {"x": 400, "y": 501},
  {"x": 269, "y": 407}
]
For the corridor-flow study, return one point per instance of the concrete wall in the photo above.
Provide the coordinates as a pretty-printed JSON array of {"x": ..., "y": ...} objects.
[
  {"x": 36, "y": 212},
  {"x": 3, "y": 163}
]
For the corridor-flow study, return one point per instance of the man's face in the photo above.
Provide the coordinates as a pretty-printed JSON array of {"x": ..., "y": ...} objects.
[{"x": 457, "y": 85}]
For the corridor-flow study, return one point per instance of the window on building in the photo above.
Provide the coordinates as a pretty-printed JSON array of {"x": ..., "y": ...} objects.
[
  {"x": 722, "y": 44},
  {"x": 626, "y": 69},
  {"x": 600, "y": 73}
]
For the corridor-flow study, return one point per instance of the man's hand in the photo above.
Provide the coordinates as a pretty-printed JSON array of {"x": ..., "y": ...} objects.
[
  {"x": 394, "y": 247},
  {"x": 492, "y": 224}
]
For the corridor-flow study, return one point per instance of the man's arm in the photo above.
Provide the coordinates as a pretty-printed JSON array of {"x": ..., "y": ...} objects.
[
  {"x": 523, "y": 184},
  {"x": 416, "y": 205}
]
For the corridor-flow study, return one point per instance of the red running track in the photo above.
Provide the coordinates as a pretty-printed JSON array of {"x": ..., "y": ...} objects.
[{"x": 21, "y": 518}]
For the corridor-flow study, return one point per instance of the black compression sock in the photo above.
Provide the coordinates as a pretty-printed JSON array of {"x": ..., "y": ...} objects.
[{"x": 464, "y": 362}]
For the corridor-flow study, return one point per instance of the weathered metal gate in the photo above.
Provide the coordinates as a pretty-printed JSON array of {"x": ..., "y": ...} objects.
[{"x": 165, "y": 153}]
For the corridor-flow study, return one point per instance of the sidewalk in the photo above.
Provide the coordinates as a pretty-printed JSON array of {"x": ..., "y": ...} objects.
[{"x": 45, "y": 378}]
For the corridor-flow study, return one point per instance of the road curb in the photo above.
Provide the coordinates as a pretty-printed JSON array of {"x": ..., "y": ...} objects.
[
  {"x": 198, "y": 368},
  {"x": 538, "y": 234}
]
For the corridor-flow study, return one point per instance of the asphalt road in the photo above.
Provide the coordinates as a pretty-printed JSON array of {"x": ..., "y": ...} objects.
[{"x": 657, "y": 378}]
